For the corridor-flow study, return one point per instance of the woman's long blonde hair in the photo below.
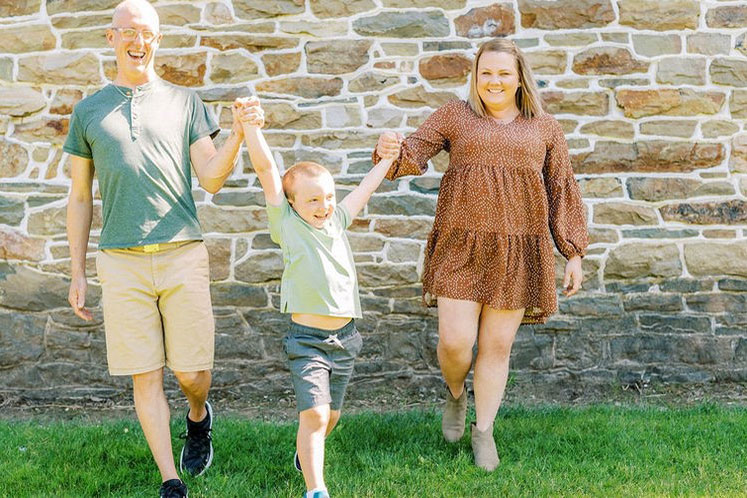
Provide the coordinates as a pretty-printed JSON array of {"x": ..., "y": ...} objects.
[{"x": 527, "y": 94}]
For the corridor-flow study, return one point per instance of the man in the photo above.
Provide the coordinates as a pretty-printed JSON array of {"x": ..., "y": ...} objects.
[{"x": 140, "y": 134}]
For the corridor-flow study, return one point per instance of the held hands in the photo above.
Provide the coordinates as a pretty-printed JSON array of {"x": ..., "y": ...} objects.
[
  {"x": 77, "y": 298},
  {"x": 573, "y": 273},
  {"x": 389, "y": 145},
  {"x": 248, "y": 112}
]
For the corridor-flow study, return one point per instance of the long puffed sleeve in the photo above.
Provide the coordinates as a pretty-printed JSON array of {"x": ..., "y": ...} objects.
[
  {"x": 423, "y": 144},
  {"x": 567, "y": 214}
]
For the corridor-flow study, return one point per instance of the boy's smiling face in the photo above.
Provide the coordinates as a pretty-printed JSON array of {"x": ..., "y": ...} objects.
[{"x": 314, "y": 198}]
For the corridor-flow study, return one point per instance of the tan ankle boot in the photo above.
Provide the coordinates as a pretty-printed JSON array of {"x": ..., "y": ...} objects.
[
  {"x": 455, "y": 411},
  {"x": 483, "y": 447}
]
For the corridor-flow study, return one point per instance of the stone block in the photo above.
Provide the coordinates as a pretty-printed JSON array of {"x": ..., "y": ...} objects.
[
  {"x": 340, "y": 8},
  {"x": 402, "y": 205},
  {"x": 232, "y": 68},
  {"x": 410, "y": 24},
  {"x": 681, "y": 71},
  {"x": 709, "y": 43},
  {"x": 445, "y": 69},
  {"x": 30, "y": 38},
  {"x": 716, "y": 128},
  {"x": 662, "y": 188},
  {"x": 13, "y": 160},
  {"x": 382, "y": 275},
  {"x": 547, "y": 62},
  {"x": 610, "y": 128},
  {"x": 305, "y": 87},
  {"x": 276, "y": 64},
  {"x": 727, "y": 16},
  {"x": 643, "y": 260},
  {"x": 493, "y": 20},
  {"x": 669, "y": 102},
  {"x": 336, "y": 56},
  {"x": 260, "y": 267},
  {"x": 248, "y": 42},
  {"x": 732, "y": 212},
  {"x": 238, "y": 294},
  {"x": 704, "y": 259},
  {"x": 183, "y": 69},
  {"x": 583, "y": 103},
  {"x": 571, "y": 39},
  {"x": 650, "y": 301},
  {"x": 659, "y": 16},
  {"x": 608, "y": 60},
  {"x": 648, "y": 156},
  {"x": 655, "y": 45},
  {"x": 372, "y": 82},
  {"x": 604, "y": 187},
  {"x": 675, "y": 324},
  {"x": 717, "y": 302},
  {"x": 619, "y": 213},
  {"x": 419, "y": 97},
  {"x": 252, "y": 9},
  {"x": 16, "y": 245},
  {"x": 213, "y": 219},
  {"x": 565, "y": 14},
  {"x": 73, "y": 68},
  {"x": 738, "y": 104},
  {"x": 730, "y": 72}
]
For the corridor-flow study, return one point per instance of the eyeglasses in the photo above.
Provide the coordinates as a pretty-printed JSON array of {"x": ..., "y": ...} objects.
[{"x": 130, "y": 34}]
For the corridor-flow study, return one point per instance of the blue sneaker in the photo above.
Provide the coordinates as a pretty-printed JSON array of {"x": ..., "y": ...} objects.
[{"x": 316, "y": 494}]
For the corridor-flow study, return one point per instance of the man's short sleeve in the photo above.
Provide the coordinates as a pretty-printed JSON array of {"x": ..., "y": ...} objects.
[
  {"x": 76, "y": 143},
  {"x": 201, "y": 123},
  {"x": 275, "y": 215}
]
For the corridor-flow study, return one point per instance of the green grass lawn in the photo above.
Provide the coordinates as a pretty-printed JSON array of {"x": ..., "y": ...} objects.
[{"x": 594, "y": 451}]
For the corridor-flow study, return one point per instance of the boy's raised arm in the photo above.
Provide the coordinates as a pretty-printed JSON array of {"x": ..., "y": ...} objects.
[
  {"x": 358, "y": 198},
  {"x": 251, "y": 116}
]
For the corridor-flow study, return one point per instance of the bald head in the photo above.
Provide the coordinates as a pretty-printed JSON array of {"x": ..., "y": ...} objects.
[{"x": 139, "y": 9}]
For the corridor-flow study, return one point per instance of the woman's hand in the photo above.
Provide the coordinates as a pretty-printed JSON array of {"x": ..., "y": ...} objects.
[
  {"x": 389, "y": 144},
  {"x": 574, "y": 274}
]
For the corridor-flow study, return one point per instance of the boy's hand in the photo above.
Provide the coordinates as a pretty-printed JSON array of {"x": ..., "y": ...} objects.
[
  {"x": 248, "y": 111},
  {"x": 389, "y": 145}
]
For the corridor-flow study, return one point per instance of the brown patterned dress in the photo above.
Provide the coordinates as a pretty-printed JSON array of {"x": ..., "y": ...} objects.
[{"x": 508, "y": 190}]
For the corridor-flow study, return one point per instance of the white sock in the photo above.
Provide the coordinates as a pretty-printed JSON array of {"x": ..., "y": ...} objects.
[{"x": 309, "y": 494}]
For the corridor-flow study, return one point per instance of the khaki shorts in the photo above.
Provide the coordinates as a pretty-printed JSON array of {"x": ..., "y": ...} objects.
[{"x": 157, "y": 309}]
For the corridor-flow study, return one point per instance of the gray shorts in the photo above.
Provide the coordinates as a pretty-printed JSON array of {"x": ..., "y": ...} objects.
[{"x": 321, "y": 363}]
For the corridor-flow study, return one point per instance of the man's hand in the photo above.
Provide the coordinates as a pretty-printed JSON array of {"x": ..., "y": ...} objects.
[
  {"x": 573, "y": 273},
  {"x": 248, "y": 111},
  {"x": 389, "y": 145},
  {"x": 77, "y": 297}
]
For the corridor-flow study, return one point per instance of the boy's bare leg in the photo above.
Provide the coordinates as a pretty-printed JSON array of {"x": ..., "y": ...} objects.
[
  {"x": 153, "y": 413},
  {"x": 334, "y": 416},
  {"x": 312, "y": 429}
]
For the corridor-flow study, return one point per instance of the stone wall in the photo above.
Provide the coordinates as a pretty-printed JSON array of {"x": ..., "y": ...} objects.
[{"x": 652, "y": 96}]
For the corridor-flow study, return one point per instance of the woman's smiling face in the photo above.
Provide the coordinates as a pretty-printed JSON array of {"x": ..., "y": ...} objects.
[{"x": 497, "y": 81}]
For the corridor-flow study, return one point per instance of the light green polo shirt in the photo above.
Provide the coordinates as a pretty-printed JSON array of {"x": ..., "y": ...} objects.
[
  {"x": 139, "y": 142},
  {"x": 319, "y": 275}
]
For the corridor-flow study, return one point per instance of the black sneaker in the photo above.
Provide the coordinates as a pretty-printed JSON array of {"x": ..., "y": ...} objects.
[
  {"x": 296, "y": 462},
  {"x": 173, "y": 488},
  {"x": 197, "y": 454}
]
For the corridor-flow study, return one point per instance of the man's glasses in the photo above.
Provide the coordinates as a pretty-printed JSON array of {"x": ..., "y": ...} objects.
[{"x": 130, "y": 34}]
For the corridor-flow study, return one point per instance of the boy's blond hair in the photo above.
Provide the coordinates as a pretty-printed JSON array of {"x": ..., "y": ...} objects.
[
  {"x": 306, "y": 169},
  {"x": 527, "y": 95}
]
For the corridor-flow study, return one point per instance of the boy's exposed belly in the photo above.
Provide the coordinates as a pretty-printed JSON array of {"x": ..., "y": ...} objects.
[{"x": 320, "y": 321}]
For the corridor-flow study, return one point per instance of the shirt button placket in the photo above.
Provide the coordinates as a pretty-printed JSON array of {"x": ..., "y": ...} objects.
[{"x": 134, "y": 110}]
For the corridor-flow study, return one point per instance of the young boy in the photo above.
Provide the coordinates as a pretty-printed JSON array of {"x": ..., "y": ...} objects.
[{"x": 319, "y": 287}]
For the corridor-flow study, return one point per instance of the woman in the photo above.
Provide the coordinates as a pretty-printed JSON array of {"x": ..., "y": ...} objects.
[{"x": 489, "y": 263}]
